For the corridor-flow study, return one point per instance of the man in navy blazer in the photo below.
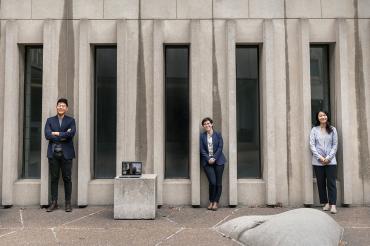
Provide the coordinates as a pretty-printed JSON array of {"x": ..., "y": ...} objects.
[{"x": 60, "y": 130}]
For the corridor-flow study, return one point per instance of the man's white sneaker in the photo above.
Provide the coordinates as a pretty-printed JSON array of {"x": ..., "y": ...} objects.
[
  {"x": 326, "y": 207},
  {"x": 333, "y": 209}
]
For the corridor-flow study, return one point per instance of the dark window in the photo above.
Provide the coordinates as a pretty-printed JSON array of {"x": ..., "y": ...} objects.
[
  {"x": 105, "y": 90},
  {"x": 32, "y": 115},
  {"x": 320, "y": 90},
  {"x": 177, "y": 111},
  {"x": 247, "y": 106}
]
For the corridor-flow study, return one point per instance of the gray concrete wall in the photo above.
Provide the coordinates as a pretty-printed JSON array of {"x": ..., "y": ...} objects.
[
  {"x": 283, "y": 30},
  {"x": 2, "y": 61}
]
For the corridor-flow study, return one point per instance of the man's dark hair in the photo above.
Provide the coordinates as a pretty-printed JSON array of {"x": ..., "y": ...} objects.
[{"x": 62, "y": 100}]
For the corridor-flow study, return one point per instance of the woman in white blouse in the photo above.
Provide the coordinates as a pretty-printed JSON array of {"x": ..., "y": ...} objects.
[{"x": 324, "y": 144}]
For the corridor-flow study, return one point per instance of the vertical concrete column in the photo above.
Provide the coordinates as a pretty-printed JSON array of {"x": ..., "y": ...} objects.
[
  {"x": 195, "y": 82},
  {"x": 11, "y": 112},
  {"x": 158, "y": 107},
  {"x": 200, "y": 84},
  {"x": 268, "y": 116},
  {"x": 147, "y": 42},
  {"x": 274, "y": 128},
  {"x": 365, "y": 43},
  {"x": 49, "y": 95},
  {"x": 200, "y": 95},
  {"x": 344, "y": 104},
  {"x": 121, "y": 72},
  {"x": 280, "y": 112},
  {"x": 231, "y": 119},
  {"x": 85, "y": 120},
  {"x": 305, "y": 96},
  {"x": 127, "y": 60},
  {"x": 2, "y": 62}
]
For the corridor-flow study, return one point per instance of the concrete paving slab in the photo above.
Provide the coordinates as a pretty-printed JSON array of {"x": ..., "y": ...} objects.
[
  {"x": 200, "y": 236},
  {"x": 113, "y": 236},
  {"x": 9, "y": 218},
  {"x": 354, "y": 216},
  {"x": 244, "y": 211},
  {"x": 6, "y": 232},
  {"x": 357, "y": 236},
  {"x": 198, "y": 218},
  {"x": 35, "y": 237},
  {"x": 53, "y": 219},
  {"x": 104, "y": 219}
]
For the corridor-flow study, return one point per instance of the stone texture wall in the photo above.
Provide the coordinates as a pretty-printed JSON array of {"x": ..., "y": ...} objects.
[{"x": 283, "y": 29}]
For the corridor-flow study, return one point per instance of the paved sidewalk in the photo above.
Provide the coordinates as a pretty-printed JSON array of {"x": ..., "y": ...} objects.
[{"x": 173, "y": 226}]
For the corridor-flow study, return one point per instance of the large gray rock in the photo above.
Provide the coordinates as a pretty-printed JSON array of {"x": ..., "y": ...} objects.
[{"x": 302, "y": 226}]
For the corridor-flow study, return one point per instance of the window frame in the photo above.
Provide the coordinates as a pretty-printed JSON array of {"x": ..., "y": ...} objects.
[
  {"x": 24, "y": 51},
  {"x": 259, "y": 86},
  {"x": 94, "y": 102},
  {"x": 328, "y": 48},
  {"x": 176, "y": 46}
]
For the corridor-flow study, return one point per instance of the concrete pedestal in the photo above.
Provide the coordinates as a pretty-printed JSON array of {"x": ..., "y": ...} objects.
[{"x": 135, "y": 198}]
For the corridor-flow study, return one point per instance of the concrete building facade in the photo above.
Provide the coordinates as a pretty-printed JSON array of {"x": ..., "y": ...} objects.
[{"x": 282, "y": 30}]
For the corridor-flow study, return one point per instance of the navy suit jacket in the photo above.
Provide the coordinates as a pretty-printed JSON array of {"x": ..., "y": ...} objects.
[
  {"x": 218, "y": 144},
  {"x": 67, "y": 131}
]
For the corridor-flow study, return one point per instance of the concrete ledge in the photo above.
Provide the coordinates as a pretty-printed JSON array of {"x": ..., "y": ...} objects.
[
  {"x": 27, "y": 192},
  {"x": 100, "y": 192},
  {"x": 176, "y": 191},
  {"x": 251, "y": 192},
  {"x": 135, "y": 198}
]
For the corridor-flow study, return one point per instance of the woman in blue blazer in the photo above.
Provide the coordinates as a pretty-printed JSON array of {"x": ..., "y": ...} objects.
[{"x": 212, "y": 160}]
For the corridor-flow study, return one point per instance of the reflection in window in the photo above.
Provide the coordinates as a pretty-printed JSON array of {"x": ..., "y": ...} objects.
[
  {"x": 247, "y": 104},
  {"x": 32, "y": 115},
  {"x": 105, "y": 89},
  {"x": 177, "y": 111},
  {"x": 320, "y": 91}
]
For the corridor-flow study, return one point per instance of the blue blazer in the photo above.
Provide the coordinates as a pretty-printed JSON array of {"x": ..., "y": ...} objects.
[
  {"x": 67, "y": 131},
  {"x": 218, "y": 144}
]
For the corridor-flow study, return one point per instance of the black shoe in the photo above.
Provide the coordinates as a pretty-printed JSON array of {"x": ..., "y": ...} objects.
[
  {"x": 68, "y": 207},
  {"x": 52, "y": 207}
]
